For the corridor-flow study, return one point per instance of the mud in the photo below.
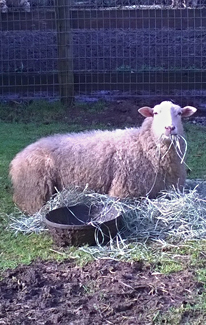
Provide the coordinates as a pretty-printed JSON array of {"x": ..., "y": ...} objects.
[{"x": 102, "y": 292}]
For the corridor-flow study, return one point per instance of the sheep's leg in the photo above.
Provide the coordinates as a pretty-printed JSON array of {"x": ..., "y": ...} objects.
[
  {"x": 25, "y": 5},
  {"x": 32, "y": 190},
  {"x": 3, "y": 6},
  {"x": 178, "y": 4},
  {"x": 184, "y": 4},
  {"x": 34, "y": 181},
  {"x": 119, "y": 189},
  {"x": 173, "y": 3}
]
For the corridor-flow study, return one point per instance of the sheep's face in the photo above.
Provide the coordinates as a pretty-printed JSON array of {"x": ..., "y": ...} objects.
[{"x": 167, "y": 119}]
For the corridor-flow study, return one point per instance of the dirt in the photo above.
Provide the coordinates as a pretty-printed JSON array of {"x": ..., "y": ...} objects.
[
  {"x": 121, "y": 113},
  {"x": 114, "y": 114},
  {"x": 102, "y": 292}
]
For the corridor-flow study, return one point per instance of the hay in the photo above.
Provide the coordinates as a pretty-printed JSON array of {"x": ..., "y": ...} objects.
[
  {"x": 19, "y": 222},
  {"x": 174, "y": 217}
]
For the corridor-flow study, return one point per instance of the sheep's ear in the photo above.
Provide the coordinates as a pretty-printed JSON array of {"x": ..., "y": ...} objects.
[
  {"x": 188, "y": 111},
  {"x": 146, "y": 111}
]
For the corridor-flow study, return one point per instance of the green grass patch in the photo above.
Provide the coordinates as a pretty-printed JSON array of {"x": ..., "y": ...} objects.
[
  {"x": 196, "y": 136},
  {"x": 187, "y": 315},
  {"x": 23, "y": 249},
  {"x": 37, "y": 111}
]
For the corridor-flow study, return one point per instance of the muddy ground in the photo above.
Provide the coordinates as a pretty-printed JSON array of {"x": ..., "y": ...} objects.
[{"x": 102, "y": 292}]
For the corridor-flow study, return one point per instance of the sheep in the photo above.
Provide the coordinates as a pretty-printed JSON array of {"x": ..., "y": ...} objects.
[
  {"x": 5, "y": 4},
  {"x": 184, "y": 3},
  {"x": 123, "y": 163}
]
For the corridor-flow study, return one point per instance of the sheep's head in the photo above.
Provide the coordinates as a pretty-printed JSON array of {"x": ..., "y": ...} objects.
[{"x": 167, "y": 116}]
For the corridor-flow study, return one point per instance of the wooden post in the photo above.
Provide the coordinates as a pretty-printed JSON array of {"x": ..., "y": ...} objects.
[{"x": 65, "y": 53}]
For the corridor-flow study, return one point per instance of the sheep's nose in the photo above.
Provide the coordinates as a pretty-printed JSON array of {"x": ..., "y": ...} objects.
[{"x": 170, "y": 128}]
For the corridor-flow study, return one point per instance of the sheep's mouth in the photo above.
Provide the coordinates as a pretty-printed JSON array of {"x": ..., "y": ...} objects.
[
  {"x": 169, "y": 137},
  {"x": 170, "y": 132},
  {"x": 174, "y": 137}
]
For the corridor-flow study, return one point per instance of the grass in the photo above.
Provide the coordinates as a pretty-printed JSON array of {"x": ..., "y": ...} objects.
[
  {"x": 196, "y": 150},
  {"x": 23, "y": 124},
  {"x": 37, "y": 112},
  {"x": 23, "y": 249}
]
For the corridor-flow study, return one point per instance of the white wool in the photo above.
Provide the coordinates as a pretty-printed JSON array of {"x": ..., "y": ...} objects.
[{"x": 134, "y": 162}]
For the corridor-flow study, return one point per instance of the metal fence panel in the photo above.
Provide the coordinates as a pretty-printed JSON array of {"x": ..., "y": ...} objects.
[{"x": 119, "y": 48}]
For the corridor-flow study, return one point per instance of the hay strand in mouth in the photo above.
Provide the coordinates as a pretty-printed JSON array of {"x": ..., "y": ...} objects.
[{"x": 178, "y": 148}]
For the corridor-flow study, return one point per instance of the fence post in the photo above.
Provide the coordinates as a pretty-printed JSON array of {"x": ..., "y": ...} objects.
[{"x": 64, "y": 50}]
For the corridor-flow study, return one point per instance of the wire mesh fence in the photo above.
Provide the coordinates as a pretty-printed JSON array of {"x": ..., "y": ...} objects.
[{"x": 103, "y": 48}]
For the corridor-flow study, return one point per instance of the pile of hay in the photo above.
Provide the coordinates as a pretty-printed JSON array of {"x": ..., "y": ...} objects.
[{"x": 172, "y": 217}]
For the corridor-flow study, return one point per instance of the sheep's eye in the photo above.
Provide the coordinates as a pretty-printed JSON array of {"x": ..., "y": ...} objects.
[
  {"x": 155, "y": 113},
  {"x": 179, "y": 113}
]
